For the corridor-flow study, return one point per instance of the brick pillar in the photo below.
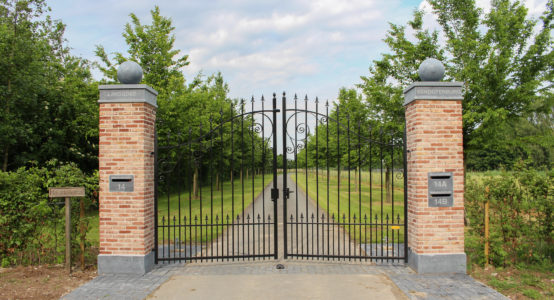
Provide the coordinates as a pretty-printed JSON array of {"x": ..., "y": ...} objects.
[
  {"x": 435, "y": 154},
  {"x": 126, "y": 159}
]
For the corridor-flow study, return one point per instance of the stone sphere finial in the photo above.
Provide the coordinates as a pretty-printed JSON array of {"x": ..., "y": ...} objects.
[
  {"x": 431, "y": 70},
  {"x": 129, "y": 72}
]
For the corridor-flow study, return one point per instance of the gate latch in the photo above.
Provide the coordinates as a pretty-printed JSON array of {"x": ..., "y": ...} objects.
[
  {"x": 274, "y": 194},
  {"x": 288, "y": 192}
]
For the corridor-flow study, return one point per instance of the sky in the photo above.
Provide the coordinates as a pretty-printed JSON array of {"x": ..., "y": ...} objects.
[{"x": 311, "y": 47}]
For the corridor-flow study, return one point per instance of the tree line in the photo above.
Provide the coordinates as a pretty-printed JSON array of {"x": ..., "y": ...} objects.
[{"x": 503, "y": 56}]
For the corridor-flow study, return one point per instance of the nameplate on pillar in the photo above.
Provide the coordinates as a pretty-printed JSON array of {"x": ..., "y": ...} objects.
[
  {"x": 122, "y": 183},
  {"x": 441, "y": 189}
]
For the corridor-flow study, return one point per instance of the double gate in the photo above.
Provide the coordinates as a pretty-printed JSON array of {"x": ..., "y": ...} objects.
[{"x": 304, "y": 180}]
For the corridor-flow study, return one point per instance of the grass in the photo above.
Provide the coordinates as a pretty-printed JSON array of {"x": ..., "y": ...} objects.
[
  {"x": 519, "y": 282},
  {"x": 357, "y": 202},
  {"x": 196, "y": 210}
]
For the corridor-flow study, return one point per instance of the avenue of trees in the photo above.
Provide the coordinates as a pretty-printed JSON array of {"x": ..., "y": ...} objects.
[{"x": 503, "y": 57}]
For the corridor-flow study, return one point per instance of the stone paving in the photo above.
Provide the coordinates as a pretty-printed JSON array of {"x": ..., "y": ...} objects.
[{"x": 442, "y": 286}]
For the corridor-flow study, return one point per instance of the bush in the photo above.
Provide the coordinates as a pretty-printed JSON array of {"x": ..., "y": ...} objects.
[
  {"x": 521, "y": 216},
  {"x": 29, "y": 219}
]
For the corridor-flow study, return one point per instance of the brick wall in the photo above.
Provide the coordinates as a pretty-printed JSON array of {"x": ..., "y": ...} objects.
[
  {"x": 126, "y": 147},
  {"x": 434, "y": 144}
]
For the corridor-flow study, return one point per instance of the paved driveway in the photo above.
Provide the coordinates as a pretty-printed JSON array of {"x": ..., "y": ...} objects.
[{"x": 298, "y": 280}]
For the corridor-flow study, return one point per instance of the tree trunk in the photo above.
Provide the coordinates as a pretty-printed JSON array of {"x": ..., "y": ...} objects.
[
  {"x": 195, "y": 184},
  {"x": 356, "y": 180},
  {"x": 7, "y": 149},
  {"x": 217, "y": 182},
  {"x": 388, "y": 185},
  {"x": 5, "y": 164}
]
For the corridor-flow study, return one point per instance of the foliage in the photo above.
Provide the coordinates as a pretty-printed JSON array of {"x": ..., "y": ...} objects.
[
  {"x": 505, "y": 60},
  {"x": 383, "y": 88},
  {"x": 48, "y": 96},
  {"x": 151, "y": 46},
  {"x": 29, "y": 218},
  {"x": 521, "y": 216},
  {"x": 187, "y": 113}
]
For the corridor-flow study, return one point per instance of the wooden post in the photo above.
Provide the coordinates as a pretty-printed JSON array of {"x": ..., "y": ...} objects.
[
  {"x": 487, "y": 233},
  {"x": 67, "y": 193},
  {"x": 68, "y": 234},
  {"x": 82, "y": 231}
]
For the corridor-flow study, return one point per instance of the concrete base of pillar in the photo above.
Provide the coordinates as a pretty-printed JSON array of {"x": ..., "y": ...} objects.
[
  {"x": 125, "y": 264},
  {"x": 437, "y": 263}
]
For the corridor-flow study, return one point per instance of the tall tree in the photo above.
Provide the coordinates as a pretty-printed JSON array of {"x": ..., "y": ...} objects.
[
  {"x": 152, "y": 47},
  {"x": 501, "y": 56},
  {"x": 506, "y": 65},
  {"x": 46, "y": 93},
  {"x": 186, "y": 112}
]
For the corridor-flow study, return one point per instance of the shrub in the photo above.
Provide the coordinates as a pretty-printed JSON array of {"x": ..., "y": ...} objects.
[
  {"x": 29, "y": 219},
  {"x": 521, "y": 220}
]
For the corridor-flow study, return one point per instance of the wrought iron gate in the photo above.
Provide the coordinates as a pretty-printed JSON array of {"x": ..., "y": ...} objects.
[{"x": 335, "y": 187}]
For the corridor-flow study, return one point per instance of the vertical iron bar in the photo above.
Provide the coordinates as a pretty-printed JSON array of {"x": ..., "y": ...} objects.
[
  {"x": 221, "y": 177},
  {"x": 211, "y": 188},
  {"x": 296, "y": 167},
  {"x": 232, "y": 181},
  {"x": 338, "y": 178},
  {"x": 190, "y": 161},
  {"x": 392, "y": 189},
  {"x": 196, "y": 236},
  {"x": 316, "y": 173},
  {"x": 359, "y": 167},
  {"x": 306, "y": 173},
  {"x": 174, "y": 254},
  {"x": 284, "y": 114},
  {"x": 387, "y": 227},
  {"x": 365, "y": 233},
  {"x": 253, "y": 174},
  {"x": 263, "y": 174},
  {"x": 381, "y": 159},
  {"x": 163, "y": 236},
  {"x": 242, "y": 179},
  {"x": 275, "y": 196},
  {"x": 227, "y": 233},
  {"x": 349, "y": 191},
  {"x": 370, "y": 193},
  {"x": 328, "y": 174},
  {"x": 168, "y": 220},
  {"x": 179, "y": 218},
  {"x": 198, "y": 182}
]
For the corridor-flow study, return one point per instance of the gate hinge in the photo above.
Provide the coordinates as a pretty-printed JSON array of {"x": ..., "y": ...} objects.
[{"x": 274, "y": 194}]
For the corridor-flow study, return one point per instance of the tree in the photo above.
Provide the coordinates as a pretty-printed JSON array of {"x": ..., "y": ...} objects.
[
  {"x": 48, "y": 96},
  {"x": 190, "y": 114},
  {"x": 506, "y": 68},
  {"x": 151, "y": 46},
  {"x": 505, "y": 65}
]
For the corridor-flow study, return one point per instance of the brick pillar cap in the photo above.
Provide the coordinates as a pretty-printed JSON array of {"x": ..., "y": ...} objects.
[
  {"x": 128, "y": 93},
  {"x": 433, "y": 90}
]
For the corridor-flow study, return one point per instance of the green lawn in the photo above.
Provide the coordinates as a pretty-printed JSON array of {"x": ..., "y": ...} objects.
[
  {"x": 359, "y": 194},
  {"x": 210, "y": 209}
]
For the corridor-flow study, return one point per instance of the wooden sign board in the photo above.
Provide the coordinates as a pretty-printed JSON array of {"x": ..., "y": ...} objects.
[{"x": 62, "y": 192}]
